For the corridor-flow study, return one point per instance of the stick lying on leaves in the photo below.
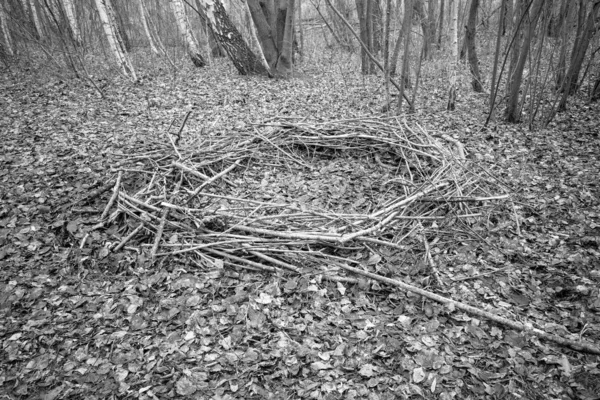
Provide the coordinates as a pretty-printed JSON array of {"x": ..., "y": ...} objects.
[{"x": 579, "y": 346}]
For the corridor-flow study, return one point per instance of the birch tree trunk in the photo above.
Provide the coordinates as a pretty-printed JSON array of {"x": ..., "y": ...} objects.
[
  {"x": 8, "y": 43},
  {"x": 238, "y": 51},
  {"x": 284, "y": 64},
  {"x": 109, "y": 24},
  {"x": 454, "y": 58},
  {"x": 144, "y": 18},
  {"x": 30, "y": 6},
  {"x": 69, "y": 8},
  {"x": 183, "y": 24}
]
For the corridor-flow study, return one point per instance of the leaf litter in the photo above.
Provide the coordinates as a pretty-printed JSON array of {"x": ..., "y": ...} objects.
[{"x": 83, "y": 320}]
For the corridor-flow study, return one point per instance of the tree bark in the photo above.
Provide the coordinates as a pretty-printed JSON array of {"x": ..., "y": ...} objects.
[
  {"x": 242, "y": 57},
  {"x": 109, "y": 24},
  {"x": 571, "y": 82},
  {"x": 406, "y": 27},
  {"x": 472, "y": 48},
  {"x": 8, "y": 43},
  {"x": 454, "y": 46},
  {"x": 513, "y": 113},
  {"x": 284, "y": 64},
  {"x": 69, "y": 8},
  {"x": 144, "y": 18},
  {"x": 265, "y": 34},
  {"x": 39, "y": 29},
  {"x": 183, "y": 24}
]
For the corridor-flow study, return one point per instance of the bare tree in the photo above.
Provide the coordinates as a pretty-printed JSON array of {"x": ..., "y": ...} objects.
[
  {"x": 39, "y": 30},
  {"x": 144, "y": 18},
  {"x": 109, "y": 24},
  {"x": 453, "y": 63},
  {"x": 8, "y": 42},
  {"x": 530, "y": 15},
  {"x": 585, "y": 31},
  {"x": 69, "y": 8},
  {"x": 471, "y": 47},
  {"x": 186, "y": 33}
]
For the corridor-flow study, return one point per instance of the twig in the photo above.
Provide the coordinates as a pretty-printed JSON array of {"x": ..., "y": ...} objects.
[
  {"x": 211, "y": 180},
  {"x": 577, "y": 345},
  {"x": 113, "y": 197},
  {"x": 128, "y": 238}
]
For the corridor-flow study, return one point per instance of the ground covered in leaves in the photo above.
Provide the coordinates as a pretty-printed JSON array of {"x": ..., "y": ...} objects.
[{"x": 79, "y": 319}]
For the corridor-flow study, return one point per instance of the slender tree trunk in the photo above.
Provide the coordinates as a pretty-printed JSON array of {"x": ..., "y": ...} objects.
[
  {"x": 242, "y": 57},
  {"x": 512, "y": 106},
  {"x": 508, "y": 17},
  {"x": 183, "y": 24},
  {"x": 423, "y": 21},
  {"x": 386, "y": 49},
  {"x": 571, "y": 81},
  {"x": 144, "y": 18},
  {"x": 564, "y": 41},
  {"x": 472, "y": 48},
  {"x": 109, "y": 24},
  {"x": 69, "y": 8},
  {"x": 454, "y": 46},
  {"x": 361, "y": 9},
  {"x": 39, "y": 29},
  {"x": 407, "y": 24},
  {"x": 254, "y": 35},
  {"x": 441, "y": 27},
  {"x": 8, "y": 42},
  {"x": 264, "y": 31},
  {"x": 494, "y": 85},
  {"x": 301, "y": 30},
  {"x": 284, "y": 64}
]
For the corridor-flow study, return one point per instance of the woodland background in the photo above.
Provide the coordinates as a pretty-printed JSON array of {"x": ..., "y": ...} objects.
[{"x": 266, "y": 199}]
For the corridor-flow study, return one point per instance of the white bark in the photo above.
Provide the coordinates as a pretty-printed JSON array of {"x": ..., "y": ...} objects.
[
  {"x": 36, "y": 19},
  {"x": 8, "y": 44},
  {"x": 186, "y": 33},
  {"x": 69, "y": 8},
  {"x": 109, "y": 24},
  {"x": 144, "y": 16}
]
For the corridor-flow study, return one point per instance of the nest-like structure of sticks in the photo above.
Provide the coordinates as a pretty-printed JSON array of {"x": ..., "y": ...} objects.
[{"x": 301, "y": 196}]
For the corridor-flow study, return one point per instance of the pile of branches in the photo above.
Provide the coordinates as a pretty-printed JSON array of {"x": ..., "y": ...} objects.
[{"x": 284, "y": 195}]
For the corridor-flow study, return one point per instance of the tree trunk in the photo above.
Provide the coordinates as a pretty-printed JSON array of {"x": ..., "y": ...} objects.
[
  {"x": 39, "y": 29},
  {"x": 431, "y": 13},
  {"x": 564, "y": 41},
  {"x": 144, "y": 18},
  {"x": 507, "y": 21},
  {"x": 109, "y": 23},
  {"x": 454, "y": 46},
  {"x": 423, "y": 20},
  {"x": 69, "y": 8},
  {"x": 263, "y": 29},
  {"x": 472, "y": 48},
  {"x": 571, "y": 82},
  {"x": 441, "y": 27},
  {"x": 406, "y": 27},
  {"x": 254, "y": 35},
  {"x": 494, "y": 85},
  {"x": 8, "y": 43},
  {"x": 183, "y": 24},
  {"x": 244, "y": 60},
  {"x": 284, "y": 64},
  {"x": 365, "y": 17},
  {"x": 513, "y": 113}
]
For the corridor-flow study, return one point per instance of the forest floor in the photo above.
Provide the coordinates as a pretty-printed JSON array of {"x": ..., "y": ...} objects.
[{"x": 79, "y": 321}]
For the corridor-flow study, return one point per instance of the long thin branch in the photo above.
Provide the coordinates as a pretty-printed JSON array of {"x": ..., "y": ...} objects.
[{"x": 577, "y": 345}]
